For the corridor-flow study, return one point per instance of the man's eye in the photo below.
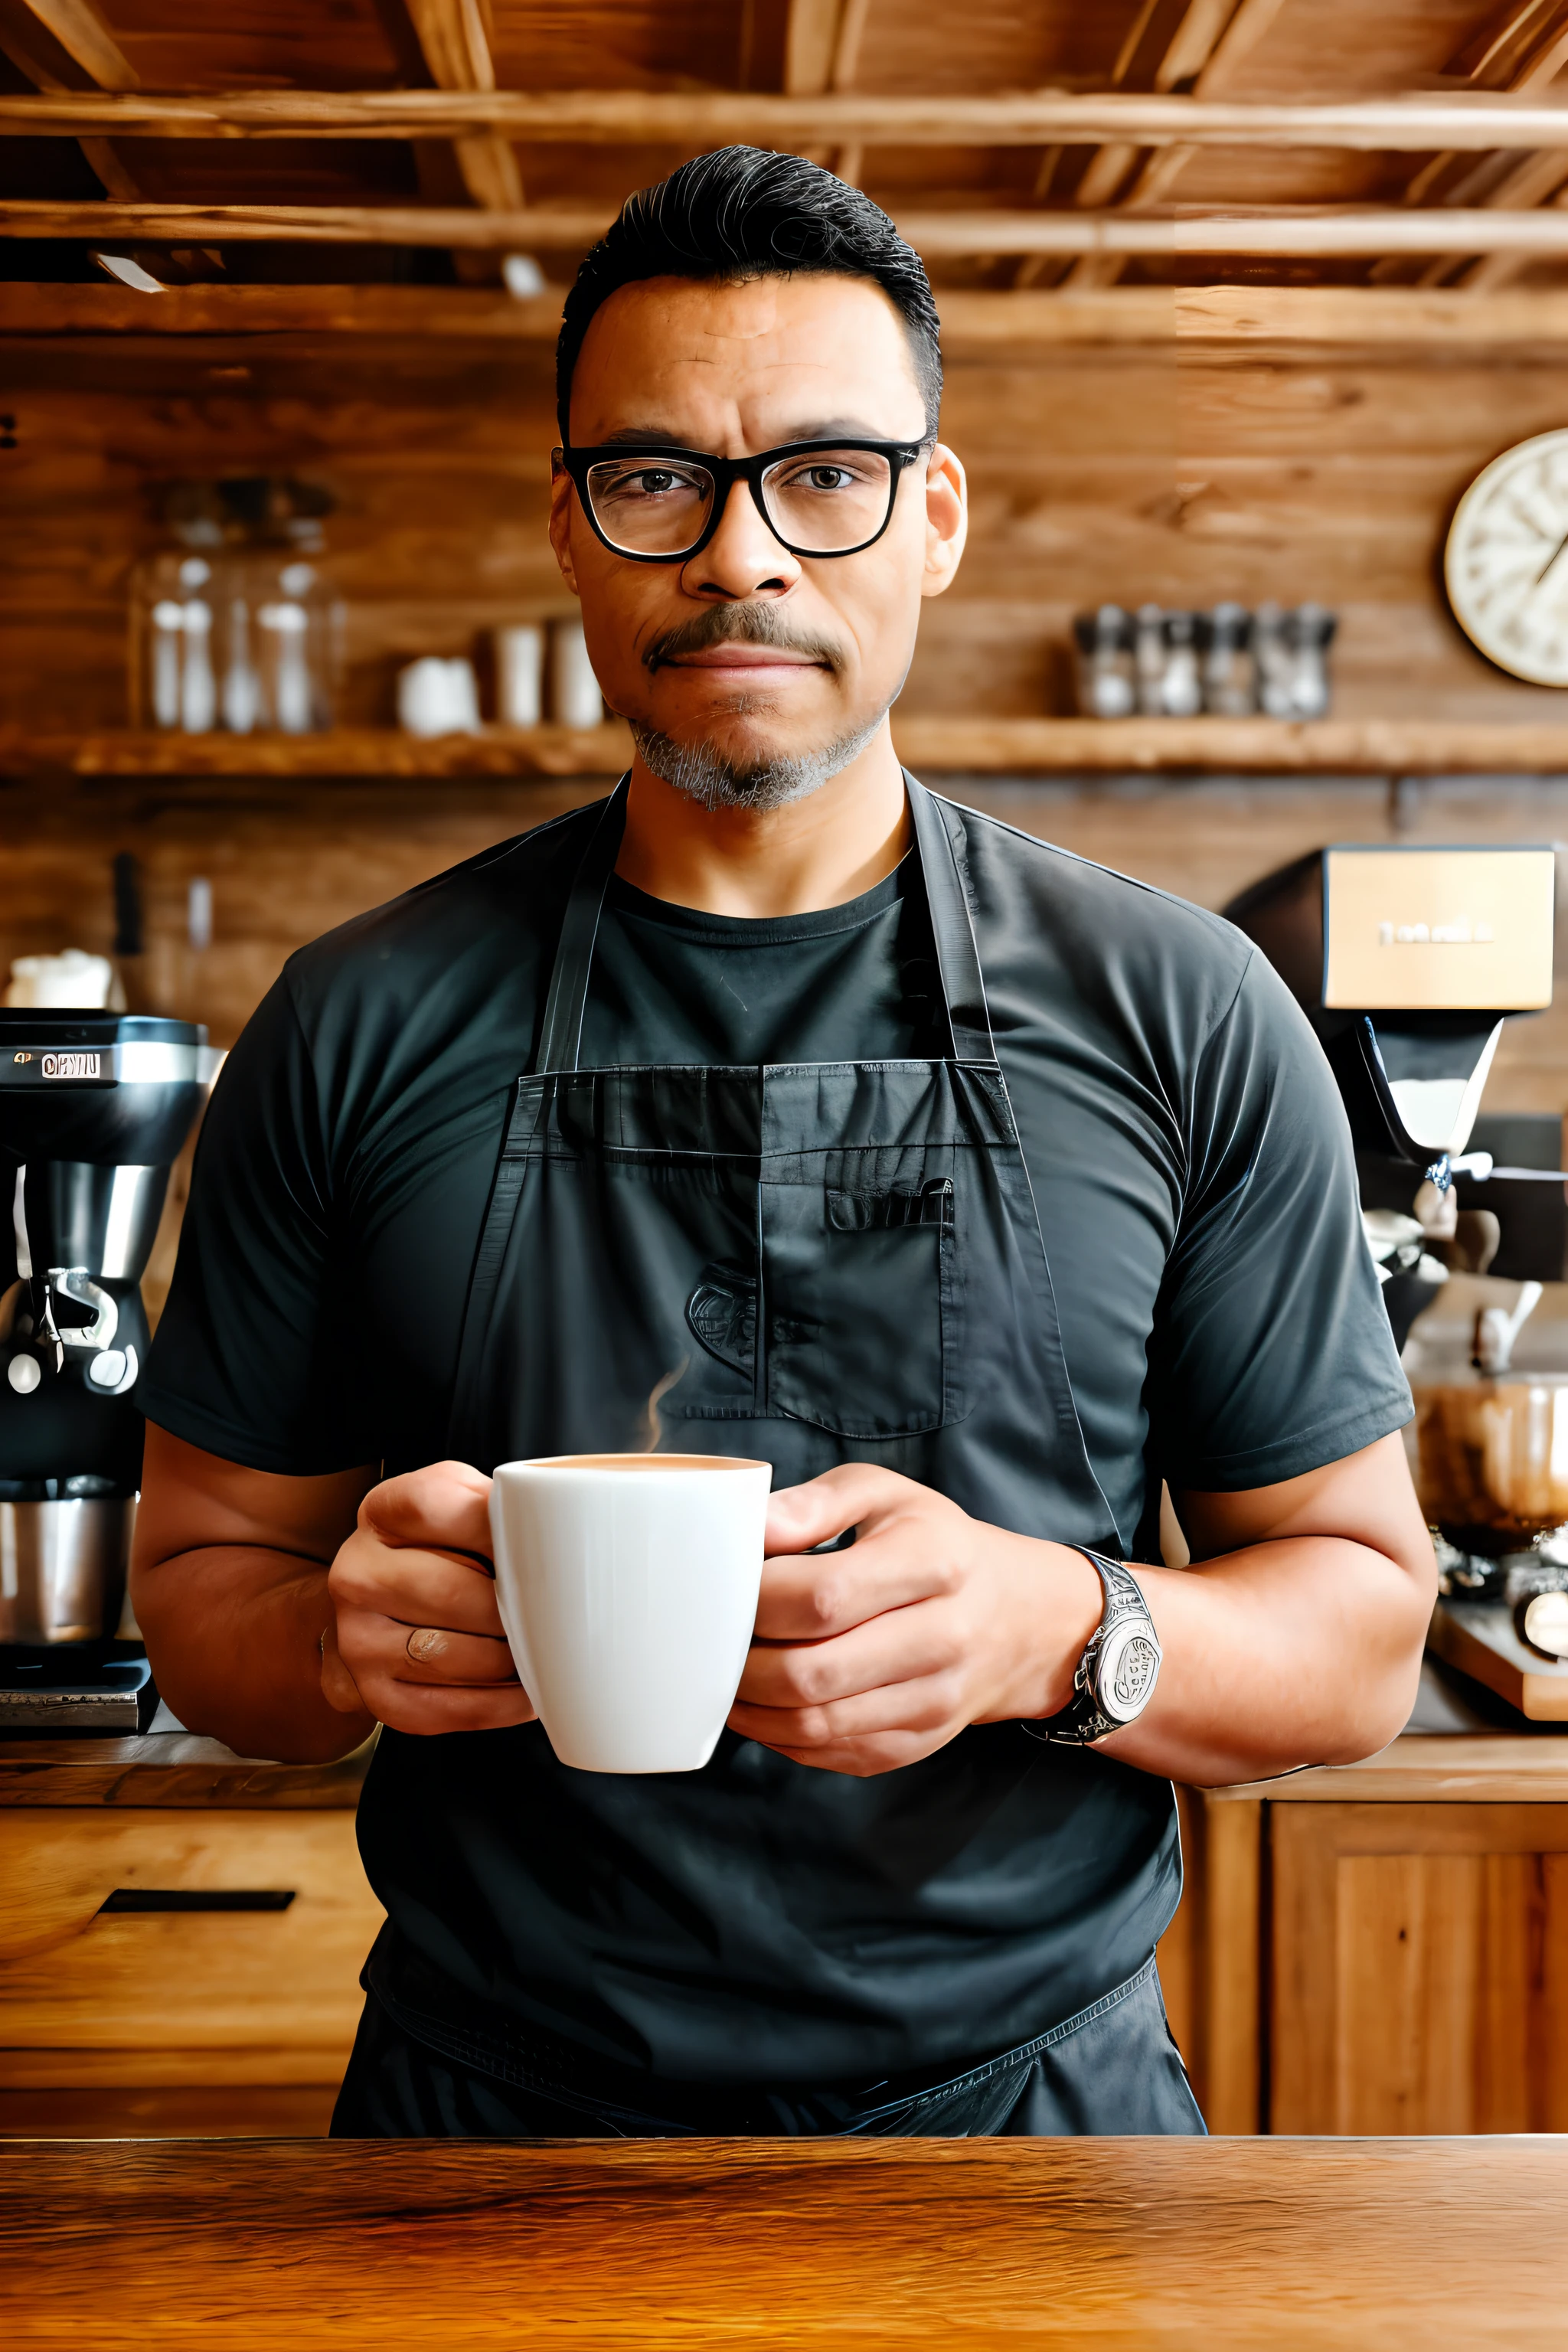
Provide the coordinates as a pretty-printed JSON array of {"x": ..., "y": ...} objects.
[
  {"x": 646, "y": 482},
  {"x": 824, "y": 478}
]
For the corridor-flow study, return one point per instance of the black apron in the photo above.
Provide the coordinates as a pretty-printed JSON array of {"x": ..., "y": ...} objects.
[{"x": 807, "y": 1264}]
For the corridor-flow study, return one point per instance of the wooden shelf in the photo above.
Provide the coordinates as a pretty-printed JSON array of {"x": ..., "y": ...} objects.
[
  {"x": 1025, "y": 747},
  {"x": 1254, "y": 747},
  {"x": 347, "y": 751}
]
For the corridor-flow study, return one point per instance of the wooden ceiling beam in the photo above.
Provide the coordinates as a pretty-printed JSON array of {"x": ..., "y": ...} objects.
[
  {"x": 1295, "y": 231},
  {"x": 1520, "y": 49},
  {"x": 1524, "y": 49},
  {"x": 455, "y": 47},
  {"x": 1414, "y": 125},
  {"x": 85, "y": 40},
  {"x": 1251, "y": 22},
  {"x": 1204, "y": 26},
  {"x": 76, "y": 48},
  {"x": 235, "y": 322},
  {"x": 822, "y": 53},
  {"x": 811, "y": 40}
]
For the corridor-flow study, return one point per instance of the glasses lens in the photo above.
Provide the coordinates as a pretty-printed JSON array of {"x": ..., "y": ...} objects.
[
  {"x": 650, "y": 505},
  {"x": 829, "y": 500}
]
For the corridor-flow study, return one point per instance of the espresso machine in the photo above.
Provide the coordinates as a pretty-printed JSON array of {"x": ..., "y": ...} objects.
[
  {"x": 94, "y": 1109},
  {"x": 1407, "y": 961}
]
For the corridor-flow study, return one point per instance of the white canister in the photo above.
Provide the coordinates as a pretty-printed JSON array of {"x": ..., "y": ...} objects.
[
  {"x": 72, "y": 978},
  {"x": 438, "y": 698},
  {"x": 628, "y": 1584},
  {"x": 520, "y": 675},
  {"x": 574, "y": 696}
]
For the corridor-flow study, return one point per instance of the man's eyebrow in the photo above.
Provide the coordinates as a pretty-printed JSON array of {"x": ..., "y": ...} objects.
[
  {"x": 643, "y": 436},
  {"x": 842, "y": 428}
]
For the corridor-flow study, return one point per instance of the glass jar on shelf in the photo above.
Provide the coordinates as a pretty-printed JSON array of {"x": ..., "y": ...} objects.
[
  {"x": 286, "y": 634},
  {"x": 291, "y": 650},
  {"x": 235, "y": 624},
  {"x": 180, "y": 600}
]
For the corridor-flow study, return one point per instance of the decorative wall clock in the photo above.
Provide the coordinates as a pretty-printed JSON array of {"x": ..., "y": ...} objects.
[{"x": 1506, "y": 564}]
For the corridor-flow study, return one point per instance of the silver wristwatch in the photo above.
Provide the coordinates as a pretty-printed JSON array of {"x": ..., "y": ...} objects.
[{"x": 1121, "y": 1664}]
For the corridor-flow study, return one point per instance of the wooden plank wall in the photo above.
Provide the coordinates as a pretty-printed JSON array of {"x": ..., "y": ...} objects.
[
  {"x": 1181, "y": 471},
  {"x": 1143, "y": 469}
]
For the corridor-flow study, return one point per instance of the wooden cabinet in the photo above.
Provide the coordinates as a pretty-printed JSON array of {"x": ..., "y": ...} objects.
[
  {"x": 1382, "y": 1948},
  {"x": 1420, "y": 1967},
  {"x": 187, "y": 1962}
]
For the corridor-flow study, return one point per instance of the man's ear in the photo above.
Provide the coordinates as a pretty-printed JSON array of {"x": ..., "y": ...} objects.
[
  {"x": 560, "y": 521},
  {"x": 947, "y": 520}
]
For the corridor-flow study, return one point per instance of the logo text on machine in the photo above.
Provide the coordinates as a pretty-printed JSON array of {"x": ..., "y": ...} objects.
[
  {"x": 72, "y": 1065},
  {"x": 1462, "y": 934}
]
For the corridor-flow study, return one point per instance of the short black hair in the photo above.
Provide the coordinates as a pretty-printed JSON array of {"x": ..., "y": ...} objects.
[{"x": 741, "y": 213}]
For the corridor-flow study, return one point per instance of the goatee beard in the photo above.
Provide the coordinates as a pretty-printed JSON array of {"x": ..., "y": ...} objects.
[{"x": 711, "y": 780}]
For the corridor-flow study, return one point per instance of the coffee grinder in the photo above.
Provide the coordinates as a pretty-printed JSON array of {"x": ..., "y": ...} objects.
[
  {"x": 1406, "y": 961},
  {"x": 94, "y": 1109}
]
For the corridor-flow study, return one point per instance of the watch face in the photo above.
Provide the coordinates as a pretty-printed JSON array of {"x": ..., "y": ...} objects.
[
  {"x": 1127, "y": 1668},
  {"x": 1507, "y": 561}
]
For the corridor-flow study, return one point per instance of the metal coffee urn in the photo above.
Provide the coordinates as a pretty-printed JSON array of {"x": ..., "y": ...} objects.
[{"x": 94, "y": 1109}]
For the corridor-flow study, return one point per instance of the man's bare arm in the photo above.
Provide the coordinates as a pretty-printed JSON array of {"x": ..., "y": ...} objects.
[
  {"x": 286, "y": 1616},
  {"x": 1295, "y": 1638},
  {"x": 229, "y": 1581}
]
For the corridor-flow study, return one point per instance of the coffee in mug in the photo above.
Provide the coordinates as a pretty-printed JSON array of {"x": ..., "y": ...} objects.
[{"x": 628, "y": 1584}]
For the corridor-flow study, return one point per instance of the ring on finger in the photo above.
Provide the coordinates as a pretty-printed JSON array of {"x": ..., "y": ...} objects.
[{"x": 424, "y": 1642}]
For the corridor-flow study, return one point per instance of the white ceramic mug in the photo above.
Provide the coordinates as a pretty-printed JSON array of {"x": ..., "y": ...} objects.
[{"x": 627, "y": 1585}]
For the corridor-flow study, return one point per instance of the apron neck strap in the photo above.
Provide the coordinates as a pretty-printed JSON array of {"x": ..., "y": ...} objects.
[
  {"x": 957, "y": 956},
  {"x": 561, "y": 1039},
  {"x": 958, "y": 961}
]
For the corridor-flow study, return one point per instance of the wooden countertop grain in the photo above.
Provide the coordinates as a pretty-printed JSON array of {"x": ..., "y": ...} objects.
[
  {"x": 785, "y": 2246},
  {"x": 174, "y": 1769},
  {"x": 179, "y": 1768},
  {"x": 1504, "y": 1768}
]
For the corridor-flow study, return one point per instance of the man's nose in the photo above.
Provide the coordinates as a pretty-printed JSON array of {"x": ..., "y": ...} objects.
[{"x": 743, "y": 558}]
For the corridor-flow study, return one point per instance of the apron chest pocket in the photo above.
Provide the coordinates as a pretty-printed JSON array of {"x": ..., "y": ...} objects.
[{"x": 860, "y": 1306}]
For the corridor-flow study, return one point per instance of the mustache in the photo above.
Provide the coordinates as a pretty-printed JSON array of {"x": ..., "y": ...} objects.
[{"x": 741, "y": 624}]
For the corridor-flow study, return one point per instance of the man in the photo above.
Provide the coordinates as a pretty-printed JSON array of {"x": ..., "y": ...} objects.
[{"x": 977, "y": 1189}]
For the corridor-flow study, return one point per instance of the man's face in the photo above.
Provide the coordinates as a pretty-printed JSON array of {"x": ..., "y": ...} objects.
[{"x": 770, "y": 668}]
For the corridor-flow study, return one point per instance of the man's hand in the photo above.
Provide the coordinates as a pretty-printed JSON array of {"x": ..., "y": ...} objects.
[
  {"x": 873, "y": 1656},
  {"x": 418, "y": 1636},
  {"x": 1294, "y": 1636}
]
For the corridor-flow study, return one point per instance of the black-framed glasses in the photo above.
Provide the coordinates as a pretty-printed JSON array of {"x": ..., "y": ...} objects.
[{"x": 663, "y": 506}]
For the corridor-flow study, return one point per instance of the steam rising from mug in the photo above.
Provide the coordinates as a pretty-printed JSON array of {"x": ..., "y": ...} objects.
[{"x": 653, "y": 1419}]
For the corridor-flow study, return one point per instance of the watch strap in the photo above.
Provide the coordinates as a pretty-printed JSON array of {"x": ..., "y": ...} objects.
[{"x": 1124, "y": 1643}]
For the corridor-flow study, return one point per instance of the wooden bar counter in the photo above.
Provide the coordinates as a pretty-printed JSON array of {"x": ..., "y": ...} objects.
[{"x": 859, "y": 2246}]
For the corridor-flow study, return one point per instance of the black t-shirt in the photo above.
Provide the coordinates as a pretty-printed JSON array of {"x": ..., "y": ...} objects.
[
  {"x": 1220, "y": 1320},
  {"x": 1220, "y": 1314}
]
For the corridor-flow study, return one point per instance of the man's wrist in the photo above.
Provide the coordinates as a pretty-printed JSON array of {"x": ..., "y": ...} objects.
[{"x": 1073, "y": 1603}]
